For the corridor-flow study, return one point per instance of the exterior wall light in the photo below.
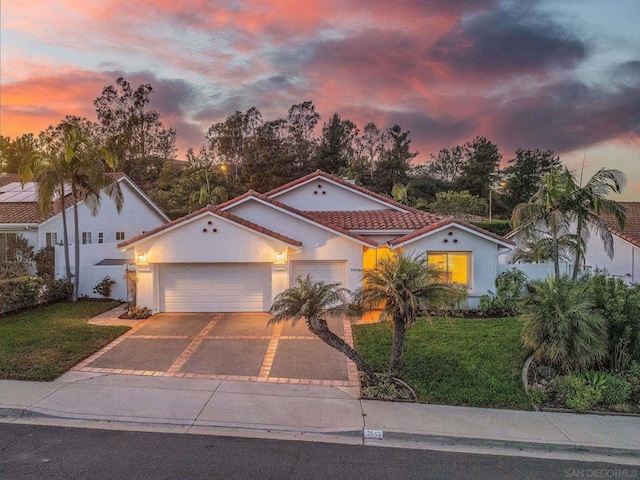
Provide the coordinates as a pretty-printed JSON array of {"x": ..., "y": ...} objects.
[
  {"x": 142, "y": 257},
  {"x": 279, "y": 257}
]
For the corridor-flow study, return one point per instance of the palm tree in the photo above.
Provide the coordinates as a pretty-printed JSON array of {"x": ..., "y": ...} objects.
[
  {"x": 541, "y": 250},
  {"x": 314, "y": 301},
  {"x": 44, "y": 167},
  {"x": 563, "y": 329},
  {"x": 84, "y": 167},
  {"x": 588, "y": 202},
  {"x": 548, "y": 206},
  {"x": 405, "y": 287}
]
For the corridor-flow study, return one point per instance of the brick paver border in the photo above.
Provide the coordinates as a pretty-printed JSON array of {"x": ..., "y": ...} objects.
[{"x": 265, "y": 369}]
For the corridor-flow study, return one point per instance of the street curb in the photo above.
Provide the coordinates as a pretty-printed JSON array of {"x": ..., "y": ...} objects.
[
  {"x": 511, "y": 444},
  {"x": 278, "y": 432}
]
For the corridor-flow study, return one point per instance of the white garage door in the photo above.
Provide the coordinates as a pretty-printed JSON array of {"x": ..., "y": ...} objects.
[
  {"x": 215, "y": 287},
  {"x": 327, "y": 272}
]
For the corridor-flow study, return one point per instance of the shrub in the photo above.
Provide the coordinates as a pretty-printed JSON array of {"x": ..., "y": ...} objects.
[
  {"x": 509, "y": 297},
  {"x": 45, "y": 260},
  {"x": 617, "y": 391},
  {"x": 55, "y": 290},
  {"x": 620, "y": 305},
  {"x": 537, "y": 395},
  {"x": 563, "y": 330},
  {"x": 574, "y": 392},
  {"x": 136, "y": 313},
  {"x": 131, "y": 277},
  {"x": 104, "y": 287},
  {"x": 19, "y": 292},
  {"x": 583, "y": 399},
  {"x": 499, "y": 227}
]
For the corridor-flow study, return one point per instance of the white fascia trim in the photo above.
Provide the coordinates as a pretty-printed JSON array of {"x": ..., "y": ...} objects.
[
  {"x": 5, "y": 226},
  {"x": 197, "y": 217},
  {"x": 461, "y": 227},
  {"x": 362, "y": 194},
  {"x": 295, "y": 215},
  {"x": 145, "y": 198},
  {"x": 140, "y": 193}
]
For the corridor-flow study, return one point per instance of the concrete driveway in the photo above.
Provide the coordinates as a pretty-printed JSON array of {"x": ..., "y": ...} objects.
[{"x": 226, "y": 346}]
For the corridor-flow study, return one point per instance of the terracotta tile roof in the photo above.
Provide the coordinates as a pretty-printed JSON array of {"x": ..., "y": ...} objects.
[
  {"x": 341, "y": 181},
  {"x": 631, "y": 230},
  {"x": 220, "y": 213},
  {"x": 306, "y": 215},
  {"x": 387, "y": 219},
  {"x": 23, "y": 212},
  {"x": 444, "y": 223}
]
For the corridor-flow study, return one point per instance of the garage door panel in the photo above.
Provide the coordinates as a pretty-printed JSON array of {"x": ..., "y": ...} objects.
[
  {"x": 215, "y": 287},
  {"x": 328, "y": 272}
]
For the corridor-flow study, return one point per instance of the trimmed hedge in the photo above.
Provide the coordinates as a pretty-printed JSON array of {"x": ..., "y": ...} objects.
[
  {"x": 19, "y": 292},
  {"x": 499, "y": 227}
]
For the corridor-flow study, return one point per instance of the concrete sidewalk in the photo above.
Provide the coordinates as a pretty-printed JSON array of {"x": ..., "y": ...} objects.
[{"x": 321, "y": 413}]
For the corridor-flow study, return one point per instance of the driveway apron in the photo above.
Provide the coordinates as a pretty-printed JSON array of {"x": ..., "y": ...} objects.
[{"x": 226, "y": 346}]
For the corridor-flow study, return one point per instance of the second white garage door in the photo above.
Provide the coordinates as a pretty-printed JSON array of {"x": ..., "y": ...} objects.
[
  {"x": 327, "y": 272},
  {"x": 215, "y": 287}
]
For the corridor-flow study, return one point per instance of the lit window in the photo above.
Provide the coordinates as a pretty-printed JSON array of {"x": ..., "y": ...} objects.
[
  {"x": 453, "y": 265},
  {"x": 86, "y": 238},
  {"x": 100, "y": 237},
  {"x": 52, "y": 239},
  {"x": 119, "y": 235}
]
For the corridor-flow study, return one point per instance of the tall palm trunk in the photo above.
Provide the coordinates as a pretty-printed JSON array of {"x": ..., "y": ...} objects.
[
  {"x": 576, "y": 263},
  {"x": 555, "y": 252},
  {"x": 76, "y": 267},
  {"x": 397, "y": 346},
  {"x": 65, "y": 235},
  {"x": 321, "y": 330}
]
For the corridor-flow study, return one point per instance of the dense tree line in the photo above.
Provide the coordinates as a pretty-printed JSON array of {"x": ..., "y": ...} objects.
[{"x": 246, "y": 151}]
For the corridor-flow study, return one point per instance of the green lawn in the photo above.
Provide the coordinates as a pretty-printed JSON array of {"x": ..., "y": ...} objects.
[
  {"x": 43, "y": 343},
  {"x": 472, "y": 362}
]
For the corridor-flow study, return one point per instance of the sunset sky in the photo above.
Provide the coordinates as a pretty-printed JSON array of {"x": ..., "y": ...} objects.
[{"x": 551, "y": 74}]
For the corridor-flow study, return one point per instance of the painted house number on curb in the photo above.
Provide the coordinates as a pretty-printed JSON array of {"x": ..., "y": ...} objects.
[{"x": 373, "y": 434}]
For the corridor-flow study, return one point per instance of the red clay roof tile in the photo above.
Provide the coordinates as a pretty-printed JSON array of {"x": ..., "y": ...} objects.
[{"x": 387, "y": 219}]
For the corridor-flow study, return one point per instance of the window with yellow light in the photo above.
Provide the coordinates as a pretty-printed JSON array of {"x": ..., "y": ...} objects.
[{"x": 453, "y": 265}]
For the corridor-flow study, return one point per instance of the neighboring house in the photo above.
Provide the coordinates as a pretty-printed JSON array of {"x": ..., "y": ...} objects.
[
  {"x": 625, "y": 263},
  {"x": 237, "y": 256},
  {"x": 99, "y": 235}
]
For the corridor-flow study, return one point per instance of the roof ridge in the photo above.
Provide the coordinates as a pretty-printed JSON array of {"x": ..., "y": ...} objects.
[
  {"x": 343, "y": 182},
  {"x": 295, "y": 211},
  {"x": 216, "y": 211}
]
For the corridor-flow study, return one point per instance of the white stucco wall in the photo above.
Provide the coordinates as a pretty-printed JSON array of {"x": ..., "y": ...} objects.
[
  {"x": 188, "y": 243},
  {"x": 317, "y": 243},
  {"x": 483, "y": 257},
  {"x": 625, "y": 263},
  {"x": 323, "y": 195},
  {"x": 136, "y": 217}
]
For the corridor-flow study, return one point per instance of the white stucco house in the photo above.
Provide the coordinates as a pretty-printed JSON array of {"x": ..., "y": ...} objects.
[
  {"x": 99, "y": 235},
  {"x": 624, "y": 264},
  {"x": 237, "y": 256}
]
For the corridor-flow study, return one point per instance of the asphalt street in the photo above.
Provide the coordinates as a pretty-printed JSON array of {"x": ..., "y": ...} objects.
[{"x": 37, "y": 452}]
